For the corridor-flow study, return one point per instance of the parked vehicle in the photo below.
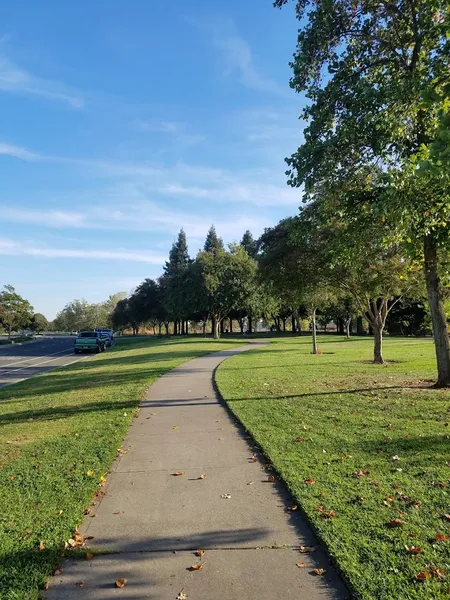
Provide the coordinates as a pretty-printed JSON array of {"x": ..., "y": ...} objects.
[
  {"x": 89, "y": 341},
  {"x": 107, "y": 335}
]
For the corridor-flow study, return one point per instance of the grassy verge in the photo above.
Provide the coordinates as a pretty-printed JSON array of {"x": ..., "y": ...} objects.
[
  {"x": 359, "y": 446},
  {"x": 59, "y": 435}
]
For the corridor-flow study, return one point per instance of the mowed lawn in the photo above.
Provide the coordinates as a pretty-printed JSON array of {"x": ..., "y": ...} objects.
[
  {"x": 364, "y": 449},
  {"x": 59, "y": 434}
]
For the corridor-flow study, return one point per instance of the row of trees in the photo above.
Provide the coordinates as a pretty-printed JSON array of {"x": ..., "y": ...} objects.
[
  {"x": 16, "y": 313},
  {"x": 80, "y": 314},
  {"x": 375, "y": 163}
]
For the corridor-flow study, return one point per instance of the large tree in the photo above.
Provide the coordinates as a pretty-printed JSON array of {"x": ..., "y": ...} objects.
[
  {"x": 15, "y": 312},
  {"x": 175, "y": 272},
  {"x": 377, "y": 77}
]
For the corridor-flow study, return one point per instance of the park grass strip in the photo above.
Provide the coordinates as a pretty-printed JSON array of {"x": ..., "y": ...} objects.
[
  {"x": 58, "y": 437},
  {"x": 365, "y": 451}
]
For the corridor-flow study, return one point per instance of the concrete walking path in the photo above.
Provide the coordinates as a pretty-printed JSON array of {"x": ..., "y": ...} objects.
[{"x": 151, "y": 521}]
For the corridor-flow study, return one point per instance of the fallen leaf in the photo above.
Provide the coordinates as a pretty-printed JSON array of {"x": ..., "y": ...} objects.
[
  {"x": 414, "y": 550},
  {"x": 116, "y": 513},
  {"x": 318, "y": 571},
  {"x": 251, "y": 483},
  {"x": 271, "y": 478},
  {"x": 438, "y": 573},
  {"x": 197, "y": 567},
  {"x": 41, "y": 545},
  {"x": 80, "y": 583},
  {"x": 293, "y": 508},
  {"x": 412, "y": 535},
  {"x": 226, "y": 496},
  {"x": 442, "y": 537},
  {"x": 11, "y": 477},
  {"x": 89, "y": 473},
  {"x": 361, "y": 473},
  {"x": 309, "y": 481},
  {"x": 181, "y": 596},
  {"x": 202, "y": 476},
  {"x": 446, "y": 517},
  {"x": 253, "y": 458},
  {"x": 300, "y": 439},
  {"x": 121, "y": 582},
  {"x": 300, "y": 565},
  {"x": 45, "y": 586},
  {"x": 88, "y": 556},
  {"x": 328, "y": 515},
  {"x": 60, "y": 513},
  {"x": 199, "y": 553},
  {"x": 422, "y": 576},
  {"x": 306, "y": 549},
  {"x": 178, "y": 473},
  {"x": 175, "y": 427},
  {"x": 395, "y": 523},
  {"x": 57, "y": 572},
  {"x": 396, "y": 457},
  {"x": 439, "y": 484}
]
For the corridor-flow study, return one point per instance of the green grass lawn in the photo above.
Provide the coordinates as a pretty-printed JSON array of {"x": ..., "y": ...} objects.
[
  {"x": 59, "y": 435},
  {"x": 375, "y": 440}
]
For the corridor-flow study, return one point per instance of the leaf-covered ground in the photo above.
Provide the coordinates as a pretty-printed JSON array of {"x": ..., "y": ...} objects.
[
  {"x": 364, "y": 449},
  {"x": 59, "y": 434}
]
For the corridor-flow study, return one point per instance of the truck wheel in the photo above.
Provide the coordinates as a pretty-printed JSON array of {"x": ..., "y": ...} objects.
[
  {"x": 76, "y": 351},
  {"x": 97, "y": 350}
]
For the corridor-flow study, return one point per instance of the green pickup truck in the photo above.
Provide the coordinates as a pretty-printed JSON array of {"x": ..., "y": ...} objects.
[{"x": 89, "y": 341}]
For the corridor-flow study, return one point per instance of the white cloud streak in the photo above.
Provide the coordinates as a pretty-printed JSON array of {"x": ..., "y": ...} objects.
[
  {"x": 18, "y": 152},
  {"x": 16, "y": 80},
  {"x": 12, "y": 248}
]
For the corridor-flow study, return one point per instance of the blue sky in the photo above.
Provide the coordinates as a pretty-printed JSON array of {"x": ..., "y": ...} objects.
[{"x": 121, "y": 122}]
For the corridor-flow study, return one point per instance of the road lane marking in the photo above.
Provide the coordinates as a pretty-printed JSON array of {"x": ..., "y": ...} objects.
[
  {"x": 28, "y": 358},
  {"x": 35, "y": 365}
]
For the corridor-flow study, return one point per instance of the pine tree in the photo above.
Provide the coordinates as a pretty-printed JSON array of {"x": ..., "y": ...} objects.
[
  {"x": 213, "y": 243},
  {"x": 249, "y": 244}
]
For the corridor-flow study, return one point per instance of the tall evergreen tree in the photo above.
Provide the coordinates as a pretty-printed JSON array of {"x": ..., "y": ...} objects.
[
  {"x": 176, "y": 282},
  {"x": 249, "y": 244},
  {"x": 213, "y": 242}
]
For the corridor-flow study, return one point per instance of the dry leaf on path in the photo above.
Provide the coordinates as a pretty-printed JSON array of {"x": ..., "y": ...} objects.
[
  {"x": 306, "y": 549},
  {"x": 175, "y": 427},
  {"x": 181, "y": 596},
  {"x": 88, "y": 556},
  {"x": 199, "y": 553},
  {"x": 80, "y": 583},
  {"x": 178, "y": 474},
  {"x": 202, "y": 476},
  {"x": 121, "y": 582},
  {"x": 226, "y": 496},
  {"x": 318, "y": 571},
  {"x": 300, "y": 565},
  {"x": 197, "y": 567},
  {"x": 271, "y": 479}
]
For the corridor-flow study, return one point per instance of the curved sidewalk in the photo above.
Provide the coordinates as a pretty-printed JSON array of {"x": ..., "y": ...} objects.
[{"x": 151, "y": 519}]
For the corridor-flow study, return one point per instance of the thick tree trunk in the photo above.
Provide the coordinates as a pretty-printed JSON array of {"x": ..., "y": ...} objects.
[
  {"x": 359, "y": 326},
  {"x": 216, "y": 322},
  {"x": 314, "y": 331},
  {"x": 187, "y": 327},
  {"x": 231, "y": 325},
  {"x": 222, "y": 327},
  {"x": 182, "y": 327},
  {"x": 438, "y": 318},
  {"x": 204, "y": 328},
  {"x": 166, "y": 325},
  {"x": 378, "y": 345},
  {"x": 294, "y": 328},
  {"x": 241, "y": 325},
  {"x": 213, "y": 325},
  {"x": 284, "y": 325},
  {"x": 348, "y": 325},
  {"x": 175, "y": 328},
  {"x": 250, "y": 325},
  {"x": 299, "y": 325}
]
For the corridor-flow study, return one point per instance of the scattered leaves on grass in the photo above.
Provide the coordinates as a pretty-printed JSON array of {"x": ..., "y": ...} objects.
[
  {"x": 318, "y": 571},
  {"x": 121, "y": 582},
  {"x": 396, "y": 457},
  {"x": 395, "y": 523},
  {"x": 199, "y": 553},
  {"x": 270, "y": 478},
  {"x": 446, "y": 517},
  {"x": 306, "y": 549},
  {"x": 300, "y": 565},
  {"x": 358, "y": 474},
  {"x": 178, "y": 474},
  {"x": 41, "y": 545},
  {"x": 198, "y": 567},
  {"x": 88, "y": 556},
  {"x": 438, "y": 573},
  {"x": 414, "y": 550},
  {"x": 309, "y": 481},
  {"x": 90, "y": 473},
  {"x": 300, "y": 439},
  {"x": 422, "y": 576},
  {"x": 442, "y": 537},
  {"x": 439, "y": 484}
]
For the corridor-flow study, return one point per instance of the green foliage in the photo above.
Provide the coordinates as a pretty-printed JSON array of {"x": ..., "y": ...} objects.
[
  {"x": 213, "y": 243},
  {"x": 39, "y": 323},
  {"x": 250, "y": 244},
  {"x": 15, "y": 312}
]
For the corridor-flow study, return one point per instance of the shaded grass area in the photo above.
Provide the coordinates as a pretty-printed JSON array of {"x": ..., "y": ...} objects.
[
  {"x": 376, "y": 442},
  {"x": 59, "y": 434}
]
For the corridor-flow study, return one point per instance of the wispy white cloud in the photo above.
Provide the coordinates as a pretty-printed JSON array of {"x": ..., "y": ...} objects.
[
  {"x": 13, "y": 248},
  {"x": 237, "y": 55},
  {"x": 18, "y": 152},
  {"x": 16, "y": 80}
]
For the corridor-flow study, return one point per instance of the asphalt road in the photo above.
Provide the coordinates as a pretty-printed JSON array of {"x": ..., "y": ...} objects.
[{"x": 34, "y": 358}]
